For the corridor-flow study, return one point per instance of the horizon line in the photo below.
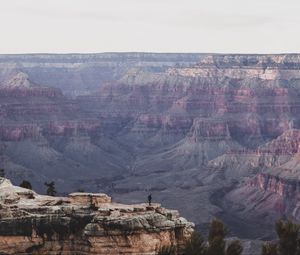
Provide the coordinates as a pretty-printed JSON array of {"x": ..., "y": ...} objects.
[{"x": 144, "y": 52}]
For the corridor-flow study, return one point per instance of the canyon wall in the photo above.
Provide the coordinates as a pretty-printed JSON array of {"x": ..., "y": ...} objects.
[{"x": 190, "y": 128}]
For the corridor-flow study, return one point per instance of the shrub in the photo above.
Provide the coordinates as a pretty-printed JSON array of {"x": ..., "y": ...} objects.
[{"x": 25, "y": 184}]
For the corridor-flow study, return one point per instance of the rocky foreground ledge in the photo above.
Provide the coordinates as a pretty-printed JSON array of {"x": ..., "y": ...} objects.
[{"x": 84, "y": 223}]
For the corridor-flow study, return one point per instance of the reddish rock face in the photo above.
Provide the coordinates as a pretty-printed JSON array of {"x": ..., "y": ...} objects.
[
  {"x": 274, "y": 192},
  {"x": 183, "y": 131},
  {"x": 267, "y": 196}
]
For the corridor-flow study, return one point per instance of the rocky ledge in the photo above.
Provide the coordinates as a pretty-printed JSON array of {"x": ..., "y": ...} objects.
[{"x": 84, "y": 223}]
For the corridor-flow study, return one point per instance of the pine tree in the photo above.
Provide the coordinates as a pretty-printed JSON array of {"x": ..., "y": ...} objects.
[
  {"x": 195, "y": 245},
  {"x": 269, "y": 249},
  {"x": 288, "y": 237},
  {"x": 2, "y": 173},
  {"x": 25, "y": 184},
  {"x": 234, "y": 248},
  {"x": 216, "y": 246},
  {"x": 217, "y": 228},
  {"x": 50, "y": 188},
  {"x": 217, "y": 233}
]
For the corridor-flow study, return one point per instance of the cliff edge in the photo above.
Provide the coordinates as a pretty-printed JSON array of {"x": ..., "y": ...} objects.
[{"x": 84, "y": 223}]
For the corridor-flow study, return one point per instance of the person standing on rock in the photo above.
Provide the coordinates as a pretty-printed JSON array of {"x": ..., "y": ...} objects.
[{"x": 150, "y": 199}]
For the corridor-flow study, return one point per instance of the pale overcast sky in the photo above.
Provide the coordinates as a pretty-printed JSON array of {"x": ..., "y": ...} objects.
[{"x": 227, "y": 26}]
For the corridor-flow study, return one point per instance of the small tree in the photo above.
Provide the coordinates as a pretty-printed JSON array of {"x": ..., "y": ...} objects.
[
  {"x": 195, "y": 245},
  {"x": 50, "y": 188},
  {"x": 217, "y": 246},
  {"x": 234, "y": 248},
  {"x": 216, "y": 236},
  {"x": 2, "y": 173},
  {"x": 217, "y": 229},
  {"x": 288, "y": 237},
  {"x": 289, "y": 242},
  {"x": 216, "y": 242},
  {"x": 26, "y": 184},
  {"x": 269, "y": 249}
]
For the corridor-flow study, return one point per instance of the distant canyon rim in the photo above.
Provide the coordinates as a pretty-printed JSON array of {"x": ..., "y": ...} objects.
[{"x": 210, "y": 135}]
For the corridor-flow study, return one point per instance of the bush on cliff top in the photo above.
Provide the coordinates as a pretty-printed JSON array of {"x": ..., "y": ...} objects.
[{"x": 26, "y": 185}]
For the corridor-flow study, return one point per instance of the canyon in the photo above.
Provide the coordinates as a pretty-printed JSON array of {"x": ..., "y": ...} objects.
[{"x": 211, "y": 135}]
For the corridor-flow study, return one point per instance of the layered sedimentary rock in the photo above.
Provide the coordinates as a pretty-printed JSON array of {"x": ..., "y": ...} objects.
[
  {"x": 188, "y": 128},
  {"x": 273, "y": 192},
  {"x": 77, "y": 74},
  {"x": 84, "y": 223}
]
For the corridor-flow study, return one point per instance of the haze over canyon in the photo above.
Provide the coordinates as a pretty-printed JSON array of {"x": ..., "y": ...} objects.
[{"x": 210, "y": 135}]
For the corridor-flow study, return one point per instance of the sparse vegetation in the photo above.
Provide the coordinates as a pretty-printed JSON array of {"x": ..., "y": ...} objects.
[
  {"x": 289, "y": 240},
  {"x": 269, "y": 249},
  {"x": 26, "y": 184},
  {"x": 288, "y": 233},
  {"x": 234, "y": 248},
  {"x": 196, "y": 245},
  {"x": 51, "y": 191},
  {"x": 2, "y": 173},
  {"x": 216, "y": 244}
]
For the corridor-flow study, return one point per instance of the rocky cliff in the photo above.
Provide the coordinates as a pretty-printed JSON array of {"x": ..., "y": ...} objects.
[
  {"x": 84, "y": 223},
  {"x": 190, "y": 128},
  {"x": 273, "y": 192},
  {"x": 77, "y": 74}
]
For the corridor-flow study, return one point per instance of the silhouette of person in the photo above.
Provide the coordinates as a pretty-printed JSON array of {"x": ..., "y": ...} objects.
[{"x": 150, "y": 199}]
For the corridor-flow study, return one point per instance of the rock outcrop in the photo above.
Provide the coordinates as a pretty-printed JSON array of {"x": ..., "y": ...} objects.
[{"x": 84, "y": 223}]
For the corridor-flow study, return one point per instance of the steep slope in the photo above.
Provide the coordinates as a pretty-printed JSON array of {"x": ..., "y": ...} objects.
[
  {"x": 269, "y": 187},
  {"x": 42, "y": 131},
  {"x": 77, "y": 74},
  {"x": 191, "y": 129}
]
